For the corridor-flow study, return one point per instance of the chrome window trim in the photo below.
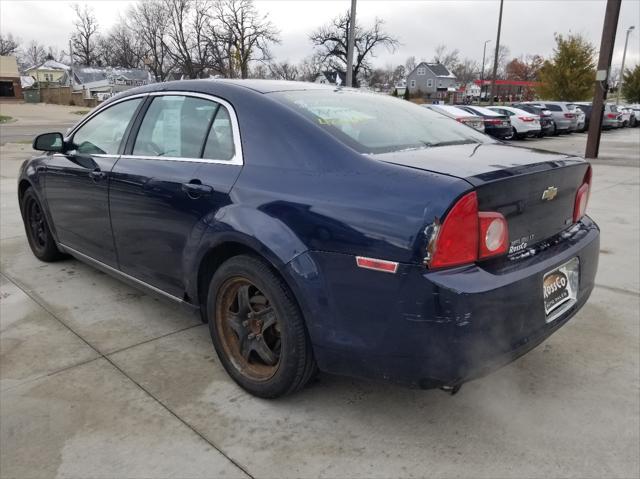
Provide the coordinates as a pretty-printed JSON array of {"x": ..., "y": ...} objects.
[
  {"x": 237, "y": 159},
  {"x": 100, "y": 110}
]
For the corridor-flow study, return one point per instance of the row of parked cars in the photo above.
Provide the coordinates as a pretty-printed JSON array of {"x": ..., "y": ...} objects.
[{"x": 537, "y": 119}]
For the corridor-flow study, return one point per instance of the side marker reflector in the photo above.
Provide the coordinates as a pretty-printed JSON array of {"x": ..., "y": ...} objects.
[{"x": 377, "y": 264}]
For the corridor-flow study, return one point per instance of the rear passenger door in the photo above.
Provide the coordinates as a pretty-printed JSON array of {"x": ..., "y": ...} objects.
[{"x": 179, "y": 166}]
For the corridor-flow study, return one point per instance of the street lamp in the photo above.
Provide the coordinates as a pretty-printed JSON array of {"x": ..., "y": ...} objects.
[
  {"x": 624, "y": 56},
  {"x": 484, "y": 53}
]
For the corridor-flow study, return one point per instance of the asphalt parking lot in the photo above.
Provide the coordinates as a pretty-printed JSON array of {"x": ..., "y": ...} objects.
[{"x": 100, "y": 380}]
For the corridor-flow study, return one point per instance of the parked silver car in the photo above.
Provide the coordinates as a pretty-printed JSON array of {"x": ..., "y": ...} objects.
[
  {"x": 611, "y": 118},
  {"x": 566, "y": 120},
  {"x": 461, "y": 116}
]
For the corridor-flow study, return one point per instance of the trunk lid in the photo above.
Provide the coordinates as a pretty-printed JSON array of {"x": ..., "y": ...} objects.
[{"x": 535, "y": 190}]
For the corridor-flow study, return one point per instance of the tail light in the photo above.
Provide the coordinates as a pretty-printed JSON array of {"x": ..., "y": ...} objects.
[
  {"x": 493, "y": 122},
  {"x": 569, "y": 115},
  {"x": 612, "y": 116},
  {"x": 467, "y": 235},
  {"x": 582, "y": 197},
  {"x": 526, "y": 118},
  {"x": 494, "y": 237}
]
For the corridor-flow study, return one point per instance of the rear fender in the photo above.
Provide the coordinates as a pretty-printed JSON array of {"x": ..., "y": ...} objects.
[{"x": 248, "y": 227}]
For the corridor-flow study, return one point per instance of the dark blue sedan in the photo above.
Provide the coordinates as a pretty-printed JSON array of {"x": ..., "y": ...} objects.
[{"x": 320, "y": 228}]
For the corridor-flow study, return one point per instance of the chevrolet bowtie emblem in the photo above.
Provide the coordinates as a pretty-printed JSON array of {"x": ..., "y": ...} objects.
[{"x": 550, "y": 193}]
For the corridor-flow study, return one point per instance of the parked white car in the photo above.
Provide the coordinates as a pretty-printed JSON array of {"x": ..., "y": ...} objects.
[
  {"x": 523, "y": 123},
  {"x": 626, "y": 115},
  {"x": 461, "y": 116},
  {"x": 580, "y": 115}
]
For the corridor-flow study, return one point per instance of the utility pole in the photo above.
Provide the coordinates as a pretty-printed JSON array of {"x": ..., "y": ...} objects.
[
  {"x": 484, "y": 53},
  {"x": 350, "y": 41},
  {"x": 70, "y": 66},
  {"x": 612, "y": 12},
  {"x": 624, "y": 57},
  {"x": 495, "y": 60}
]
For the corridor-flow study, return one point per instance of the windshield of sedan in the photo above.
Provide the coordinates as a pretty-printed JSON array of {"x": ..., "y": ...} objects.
[{"x": 375, "y": 123}]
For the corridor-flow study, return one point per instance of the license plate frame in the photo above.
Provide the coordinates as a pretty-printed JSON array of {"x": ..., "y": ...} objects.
[{"x": 560, "y": 288}]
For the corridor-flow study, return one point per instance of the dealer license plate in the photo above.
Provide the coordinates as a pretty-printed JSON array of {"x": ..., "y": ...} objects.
[{"x": 560, "y": 288}]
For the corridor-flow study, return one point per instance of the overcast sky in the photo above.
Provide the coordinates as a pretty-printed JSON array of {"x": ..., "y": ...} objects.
[{"x": 527, "y": 28}]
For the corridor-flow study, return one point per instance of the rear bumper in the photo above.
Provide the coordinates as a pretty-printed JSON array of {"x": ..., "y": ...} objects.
[
  {"x": 500, "y": 132},
  {"x": 431, "y": 329}
]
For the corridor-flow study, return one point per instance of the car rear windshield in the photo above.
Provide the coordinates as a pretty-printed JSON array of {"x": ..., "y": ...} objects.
[
  {"x": 373, "y": 123},
  {"x": 485, "y": 111}
]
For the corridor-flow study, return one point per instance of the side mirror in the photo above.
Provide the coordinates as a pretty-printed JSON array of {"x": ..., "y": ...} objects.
[{"x": 49, "y": 142}]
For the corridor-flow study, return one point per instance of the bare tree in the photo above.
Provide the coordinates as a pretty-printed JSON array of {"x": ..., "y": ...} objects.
[
  {"x": 122, "y": 46},
  {"x": 151, "y": 20},
  {"x": 58, "y": 55},
  {"x": 240, "y": 35},
  {"x": 410, "y": 64},
  {"x": 310, "y": 68},
  {"x": 399, "y": 74},
  {"x": 331, "y": 43},
  {"x": 8, "y": 45},
  {"x": 284, "y": 71},
  {"x": 187, "y": 40},
  {"x": 466, "y": 71},
  {"x": 33, "y": 55},
  {"x": 449, "y": 58},
  {"x": 503, "y": 57},
  {"x": 85, "y": 38},
  {"x": 261, "y": 71}
]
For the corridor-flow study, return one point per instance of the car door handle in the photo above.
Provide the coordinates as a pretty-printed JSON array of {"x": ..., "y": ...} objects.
[
  {"x": 195, "y": 189},
  {"x": 97, "y": 175}
]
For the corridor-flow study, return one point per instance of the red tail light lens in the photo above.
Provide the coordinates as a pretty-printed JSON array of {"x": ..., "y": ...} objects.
[
  {"x": 569, "y": 115},
  {"x": 526, "y": 118},
  {"x": 468, "y": 235},
  {"x": 457, "y": 240},
  {"x": 493, "y": 122},
  {"x": 582, "y": 197},
  {"x": 611, "y": 116},
  {"x": 494, "y": 234}
]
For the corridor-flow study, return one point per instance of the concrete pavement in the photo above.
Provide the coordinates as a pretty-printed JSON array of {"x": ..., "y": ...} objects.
[{"x": 99, "y": 380}]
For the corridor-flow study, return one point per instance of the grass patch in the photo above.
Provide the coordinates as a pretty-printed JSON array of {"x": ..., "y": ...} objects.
[
  {"x": 80, "y": 112},
  {"x": 5, "y": 119}
]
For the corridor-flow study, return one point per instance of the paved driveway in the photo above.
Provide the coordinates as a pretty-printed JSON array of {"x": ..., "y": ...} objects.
[{"x": 100, "y": 380}]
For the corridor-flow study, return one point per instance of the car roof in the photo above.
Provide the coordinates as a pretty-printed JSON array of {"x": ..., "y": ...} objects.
[
  {"x": 483, "y": 110},
  {"x": 454, "y": 110}
]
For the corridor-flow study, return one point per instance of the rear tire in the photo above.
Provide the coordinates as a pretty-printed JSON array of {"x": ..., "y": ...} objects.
[
  {"x": 41, "y": 240},
  {"x": 513, "y": 135},
  {"x": 257, "y": 329}
]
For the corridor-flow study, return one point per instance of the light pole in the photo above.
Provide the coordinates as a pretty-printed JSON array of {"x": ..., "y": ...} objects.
[
  {"x": 484, "y": 53},
  {"x": 624, "y": 56},
  {"x": 495, "y": 61},
  {"x": 350, "y": 41}
]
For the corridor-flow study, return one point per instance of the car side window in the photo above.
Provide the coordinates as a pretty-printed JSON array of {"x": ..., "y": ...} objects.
[
  {"x": 174, "y": 126},
  {"x": 103, "y": 133},
  {"x": 554, "y": 107},
  {"x": 219, "y": 144}
]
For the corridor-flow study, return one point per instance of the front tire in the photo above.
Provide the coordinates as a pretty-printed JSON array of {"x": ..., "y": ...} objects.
[
  {"x": 257, "y": 329},
  {"x": 39, "y": 235}
]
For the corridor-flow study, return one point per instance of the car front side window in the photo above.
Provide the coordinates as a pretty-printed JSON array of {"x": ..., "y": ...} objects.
[
  {"x": 175, "y": 126},
  {"x": 103, "y": 133}
]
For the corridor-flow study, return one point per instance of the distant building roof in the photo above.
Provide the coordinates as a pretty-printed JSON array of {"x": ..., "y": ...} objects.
[
  {"x": 331, "y": 76},
  {"x": 84, "y": 74},
  {"x": 50, "y": 65},
  {"x": 9, "y": 66},
  {"x": 439, "y": 70}
]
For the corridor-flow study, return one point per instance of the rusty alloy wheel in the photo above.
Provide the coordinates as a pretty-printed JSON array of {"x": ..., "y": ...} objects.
[{"x": 248, "y": 328}]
